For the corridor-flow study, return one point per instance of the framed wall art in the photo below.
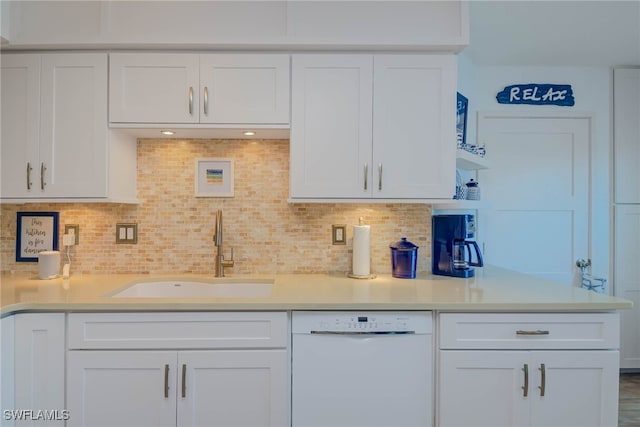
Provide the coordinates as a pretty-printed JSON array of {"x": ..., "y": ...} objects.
[
  {"x": 462, "y": 104},
  {"x": 35, "y": 232},
  {"x": 214, "y": 178}
]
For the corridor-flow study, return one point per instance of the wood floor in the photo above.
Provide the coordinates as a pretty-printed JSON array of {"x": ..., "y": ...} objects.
[{"x": 629, "y": 409}]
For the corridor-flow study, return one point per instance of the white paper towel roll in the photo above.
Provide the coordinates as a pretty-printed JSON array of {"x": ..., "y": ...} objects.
[
  {"x": 48, "y": 264},
  {"x": 361, "y": 250}
]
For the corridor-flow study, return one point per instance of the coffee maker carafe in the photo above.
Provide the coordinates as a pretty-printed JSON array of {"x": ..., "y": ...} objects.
[{"x": 452, "y": 253}]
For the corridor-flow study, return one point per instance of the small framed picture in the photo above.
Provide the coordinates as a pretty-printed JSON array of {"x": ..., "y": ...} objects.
[
  {"x": 35, "y": 232},
  {"x": 462, "y": 105},
  {"x": 214, "y": 178}
]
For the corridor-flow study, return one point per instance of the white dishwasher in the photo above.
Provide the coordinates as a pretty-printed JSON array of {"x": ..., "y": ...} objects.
[{"x": 362, "y": 369}]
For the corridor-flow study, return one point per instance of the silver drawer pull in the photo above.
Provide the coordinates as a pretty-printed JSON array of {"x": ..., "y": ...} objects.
[
  {"x": 190, "y": 100},
  {"x": 525, "y": 387},
  {"x": 537, "y": 332},
  {"x": 184, "y": 381},
  {"x": 543, "y": 379},
  {"x": 166, "y": 381}
]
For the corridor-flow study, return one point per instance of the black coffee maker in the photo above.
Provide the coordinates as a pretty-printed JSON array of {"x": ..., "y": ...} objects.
[{"x": 451, "y": 253}]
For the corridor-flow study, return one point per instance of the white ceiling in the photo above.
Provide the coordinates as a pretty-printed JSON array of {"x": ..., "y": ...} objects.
[{"x": 554, "y": 32}]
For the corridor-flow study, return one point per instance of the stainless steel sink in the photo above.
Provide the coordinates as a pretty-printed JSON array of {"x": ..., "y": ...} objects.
[{"x": 223, "y": 288}]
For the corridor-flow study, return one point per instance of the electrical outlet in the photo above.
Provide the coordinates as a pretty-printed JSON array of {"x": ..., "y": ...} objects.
[
  {"x": 339, "y": 234},
  {"x": 73, "y": 229},
  {"x": 127, "y": 233}
]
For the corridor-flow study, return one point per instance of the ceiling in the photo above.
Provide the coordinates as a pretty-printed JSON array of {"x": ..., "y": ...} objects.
[{"x": 554, "y": 32}]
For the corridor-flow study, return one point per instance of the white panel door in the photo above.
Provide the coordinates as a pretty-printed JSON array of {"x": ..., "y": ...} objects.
[
  {"x": 538, "y": 189},
  {"x": 20, "y": 126},
  {"x": 233, "y": 388},
  {"x": 626, "y": 132},
  {"x": 153, "y": 88},
  {"x": 413, "y": 126},
  {"x": 580, "y": 388},
  {"x": 39, "y": 363},
  {"x": 238, "y": 88},
  {"x": 482, "y": 388},
  {"x": 331, "y": 126},
  {"x": 73, "y": 135},
  {"x": 627, "y": 285},
  {"x": 121, "y": 388}
]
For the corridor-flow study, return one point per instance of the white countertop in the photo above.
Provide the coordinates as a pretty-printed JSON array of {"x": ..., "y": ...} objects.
[{"x": 493, "y": 289}]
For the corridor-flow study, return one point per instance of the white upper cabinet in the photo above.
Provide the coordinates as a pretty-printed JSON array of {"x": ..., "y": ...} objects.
[
  {"x": 242, "y": 89},
  {"x": 626, "y": 134},
  {"x": 414, "y": 126},
  {"x": 331, "y": 126},
  {"x": 55, "y": 142},
  {"x": 192, "y": 88},
  {"x": 373, "y": 126},
  {"x": 153, "y": 88},
  {"x": 270, "y": 24},
  {"x": 54, "y": 128}
]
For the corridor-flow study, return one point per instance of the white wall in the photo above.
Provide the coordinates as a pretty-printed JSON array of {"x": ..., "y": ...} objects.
[{"x": 592, "y": 89}]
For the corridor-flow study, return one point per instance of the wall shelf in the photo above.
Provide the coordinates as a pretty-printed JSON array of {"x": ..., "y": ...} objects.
[{"x": 469, "y": 161}]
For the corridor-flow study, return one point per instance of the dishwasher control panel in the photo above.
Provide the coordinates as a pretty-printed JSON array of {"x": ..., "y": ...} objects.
[{"x": 357, "y": 322}]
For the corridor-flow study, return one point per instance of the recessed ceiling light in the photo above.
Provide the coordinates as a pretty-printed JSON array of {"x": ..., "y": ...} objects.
[
  {"x": 249, "y": 133},
  {"x": 167, "y": 132}
]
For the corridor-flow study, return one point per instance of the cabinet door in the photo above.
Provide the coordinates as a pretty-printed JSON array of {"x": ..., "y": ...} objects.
[
  {"x": 39, "y": 362},
  {"x": 331, "y": 126},
  {"x": 73, "y": 132},
  {"x": 626, "y": 273},
  {"x": 233, "y": 387},
  {"x": 482, "y": 388},
  {"x": 20, "y": 125},
  {"x": 580, "y": 388},
  {"x": 153, "y": 88},
  {"x": 121, "y": 388},
  {"x": 626, "y": 130},
  {"x": 414, "y": 126},
  {"x": 244, "y": 89}
]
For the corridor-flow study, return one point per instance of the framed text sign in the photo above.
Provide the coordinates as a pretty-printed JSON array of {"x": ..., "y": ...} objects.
[
  {"x": 35, "y": 232},
  {"x": 537, "y": 94}
]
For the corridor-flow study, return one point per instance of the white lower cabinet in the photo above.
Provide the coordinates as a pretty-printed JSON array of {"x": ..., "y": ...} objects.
[
  {"x": 33, "y": 351},
  {"x": 521, "y": 385},
  {"x": 184, "y": 388},
  {"x": 162, "y": 386}
]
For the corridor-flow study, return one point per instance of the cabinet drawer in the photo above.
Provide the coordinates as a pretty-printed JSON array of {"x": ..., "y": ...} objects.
[
  {"x": 529, "y": 331},
  {"x": 177, "y": 330}
]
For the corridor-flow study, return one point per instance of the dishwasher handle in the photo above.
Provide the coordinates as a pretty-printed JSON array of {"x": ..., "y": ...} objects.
[{"x": 362, "y": 332}]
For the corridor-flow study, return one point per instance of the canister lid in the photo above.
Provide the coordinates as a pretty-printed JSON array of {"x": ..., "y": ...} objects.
[{"x": 403, "y": 245}]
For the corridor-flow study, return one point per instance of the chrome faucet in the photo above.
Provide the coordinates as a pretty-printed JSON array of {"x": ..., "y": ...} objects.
[{"x": 221, "y": 263}]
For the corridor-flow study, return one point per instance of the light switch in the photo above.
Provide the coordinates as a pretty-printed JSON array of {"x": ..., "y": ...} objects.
[{"x": 127, "y": 233}]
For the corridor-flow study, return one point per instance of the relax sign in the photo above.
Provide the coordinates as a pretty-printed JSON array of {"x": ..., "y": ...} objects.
[{"x": 537, "y": 94}]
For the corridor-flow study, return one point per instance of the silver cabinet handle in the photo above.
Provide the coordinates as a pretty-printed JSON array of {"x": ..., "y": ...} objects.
[
  {"x": 380, "y": 177},
  {"x": 166, "y": 381},
  {"x": 366, "y": 173},
  {"x": 29, "y": 169},
  {"x": 206, "y": 101},
  {"x": 525, "y": 387},
  {"x": 190, "y": 100},
  {"x": 184, "y": 380},
  {"x": 543, "y": 379},
  {"x": 42, "y": 169},
  {"x": 537, "y": 332}
]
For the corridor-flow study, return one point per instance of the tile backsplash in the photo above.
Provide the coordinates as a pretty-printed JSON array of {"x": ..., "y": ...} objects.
[{"x": 175, "y": 228}]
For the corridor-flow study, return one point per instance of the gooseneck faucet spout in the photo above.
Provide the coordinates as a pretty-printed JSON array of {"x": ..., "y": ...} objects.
[{"x": 221, "y": 263}]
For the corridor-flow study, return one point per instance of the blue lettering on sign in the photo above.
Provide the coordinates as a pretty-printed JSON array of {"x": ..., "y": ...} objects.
[{"x": 537, "y": 94}]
